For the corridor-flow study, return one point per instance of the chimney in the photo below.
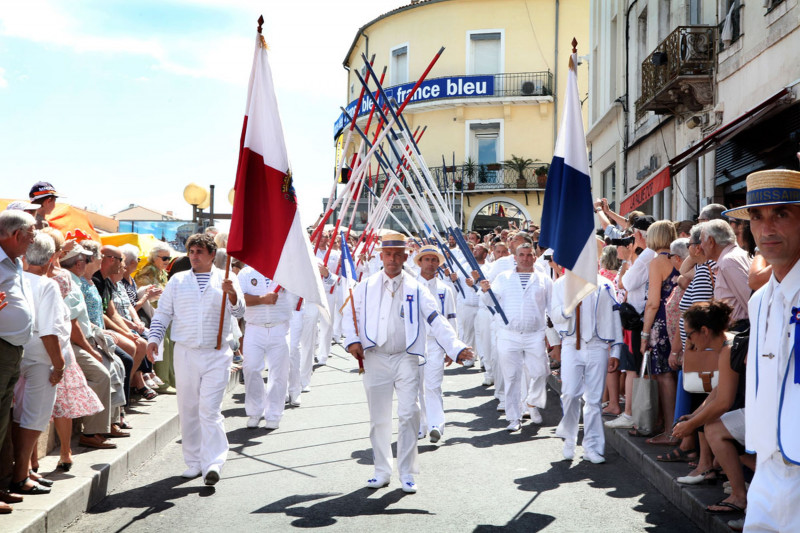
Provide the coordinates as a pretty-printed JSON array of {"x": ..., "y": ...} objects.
[{"x": 170, "y": 213}]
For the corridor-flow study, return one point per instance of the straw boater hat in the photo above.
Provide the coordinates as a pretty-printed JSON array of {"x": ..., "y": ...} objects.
[
  {"x": 393, "y": 240},
  {"x": 428, "y": 249},
  {"x": 768, "y": 187}
]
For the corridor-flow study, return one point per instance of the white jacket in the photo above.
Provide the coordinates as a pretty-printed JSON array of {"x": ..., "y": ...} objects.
[
  {"x": 419, "y": 306},
  {"x": 599, "y": 315},
  {"x": 195, "y": 315},
  {"x": 525, "y": 310}
]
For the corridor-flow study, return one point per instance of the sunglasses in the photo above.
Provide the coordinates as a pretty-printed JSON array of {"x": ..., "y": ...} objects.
[
  {"x": 696, "y": 243},
  {"x": 112, "y": 257},
  {"x": 164, "y": 257}
]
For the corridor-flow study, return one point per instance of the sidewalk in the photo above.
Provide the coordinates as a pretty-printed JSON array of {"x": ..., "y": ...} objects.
[
  {"x": 690, "y": 499},
  {"x": 95, "y": 473}
]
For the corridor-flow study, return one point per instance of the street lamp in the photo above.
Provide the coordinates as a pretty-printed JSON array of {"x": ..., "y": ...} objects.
[{"x": 197, "y": 197}]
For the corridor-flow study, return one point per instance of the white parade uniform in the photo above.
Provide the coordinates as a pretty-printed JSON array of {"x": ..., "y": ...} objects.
[
  {"x": 391, "y": 316},
  {"x": 467, "y": 308},
  {"x": 773, "y": 401},
  {"x": 266, "y": 341},
  {"x": 503, "y": 264},
  {"x": 433, "y": 369},
  {"x": 202, "y": 372},
  {"x": 326, "y": 328},
  {"x": 583, "y": 372},
  {"x": 303, "y": 339},
  {"x": 484, "y": 334},
  {"x": 520, "y": 343}
]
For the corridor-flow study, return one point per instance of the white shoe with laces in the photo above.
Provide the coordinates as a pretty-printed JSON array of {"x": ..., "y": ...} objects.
[
  {"x": 593, "y": 457},
  {"x": 536, "y": 416},
  {"x": 623, "y": 421},
  {"x": 253, "y": 421}
]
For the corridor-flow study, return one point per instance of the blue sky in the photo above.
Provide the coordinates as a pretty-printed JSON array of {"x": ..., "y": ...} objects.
[{"x": 120, "y": 103}]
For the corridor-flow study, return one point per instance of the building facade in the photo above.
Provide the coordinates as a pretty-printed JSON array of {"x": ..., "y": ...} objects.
[
  {"x": 688, "y": 97},
  {"x": 491, "y": 97}
]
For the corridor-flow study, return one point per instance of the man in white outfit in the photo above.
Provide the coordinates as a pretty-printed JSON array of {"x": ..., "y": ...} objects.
[
  {"x": 428, "y": 260},
  {"x": 326, "y": 328},
  {"x": 191, "y": 301},
  {"x": 773, "y": 368},
  {"x": 524, "y": 294},
  {"x": 585, "y": 360},
  {"x": 267, "y": 315},
  {"x": 391, "y": 310}
]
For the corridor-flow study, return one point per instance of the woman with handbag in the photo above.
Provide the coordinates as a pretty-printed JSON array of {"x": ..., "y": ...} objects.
[
  {"x": 663, "y": 277},
  {"x": 706, "y": 326}
]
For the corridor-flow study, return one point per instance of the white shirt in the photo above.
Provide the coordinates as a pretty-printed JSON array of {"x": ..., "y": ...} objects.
[
  {"x": 390, "y": 317},
  {"x": 52, "y": 318},
  {"x": 635, "y": 279},
  {"x": 524, "y": 309},
  {"x": 255, "y": 283}
]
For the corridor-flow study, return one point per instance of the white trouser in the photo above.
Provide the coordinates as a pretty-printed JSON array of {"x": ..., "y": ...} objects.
[
  {"x": 295, "y": 333},
  {"x": 583, "y": 375},
  {"x": 385, "y": 374},
  {"x": 432, "y": 385},
  {"x": 423, "y": 419},
  {"x": 519, "y": 352},
  {"x": 338, "y": 299},
  {"x": 483, "y": 340},
  {"x": 266, "y": 345},
  {"x": 201, "y": 375},
  {"x": 326, "y": 330},
  {"x": 308, "y": 343},
  {"x": 499, "y": 378},
  {"x": 466, "y": 323},
  {"x": 773, "y": 496}
]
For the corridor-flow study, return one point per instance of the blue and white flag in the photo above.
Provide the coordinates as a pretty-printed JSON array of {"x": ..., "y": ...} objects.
[
  {"x": 348, "y": 270},
  {"x": 568, "y": 214}
]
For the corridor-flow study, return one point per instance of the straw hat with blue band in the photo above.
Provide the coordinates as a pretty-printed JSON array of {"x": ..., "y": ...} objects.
[
  {"x": 428, "y": 249},
  {"x": 768, "y": 188},
  {"x": 393, "y": 240}
]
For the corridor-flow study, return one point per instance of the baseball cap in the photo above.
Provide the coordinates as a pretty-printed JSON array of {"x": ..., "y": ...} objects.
[
  {"x": 22, "y": 205},
  {"x": 42, "y": 189}
]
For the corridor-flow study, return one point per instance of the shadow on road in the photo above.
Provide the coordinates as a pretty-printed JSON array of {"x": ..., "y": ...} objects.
[{"x": 324, "y": 513}]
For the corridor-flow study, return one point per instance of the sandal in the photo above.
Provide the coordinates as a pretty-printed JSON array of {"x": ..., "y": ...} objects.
[
  {"x": 18, "y": 487},
  {"x": 146, "y": 392},
  {"x": 64, "y": 466},
  {"x": 677, "y": 455},
  {"x": 662, "y": 439},
  {"x": 729, "y": 508}
]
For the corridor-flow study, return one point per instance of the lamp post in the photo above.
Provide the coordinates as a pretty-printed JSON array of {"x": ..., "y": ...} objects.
[{"x": 200, "y": 199}]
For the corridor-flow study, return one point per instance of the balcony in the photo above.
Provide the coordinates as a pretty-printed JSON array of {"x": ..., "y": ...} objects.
[
  {"x": 677, "y": 78},
  {"x": 488, "y": 178}
]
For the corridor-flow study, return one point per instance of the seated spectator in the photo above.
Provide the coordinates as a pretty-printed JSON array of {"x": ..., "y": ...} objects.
[
  {"x": 155, "y": 271},
  {"x": 42, "y": 366}
]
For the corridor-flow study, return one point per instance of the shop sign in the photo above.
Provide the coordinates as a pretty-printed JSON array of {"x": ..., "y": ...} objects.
[{"x": 647, "y": 190}]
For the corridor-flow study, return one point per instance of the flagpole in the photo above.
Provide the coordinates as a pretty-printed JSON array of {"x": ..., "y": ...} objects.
[{"x": 228, "y": 268}]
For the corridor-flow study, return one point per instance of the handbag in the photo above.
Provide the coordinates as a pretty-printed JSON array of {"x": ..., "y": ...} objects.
[
  {"x": 645, "y": 399},
  {"x": 630, "y": 318},
  {"x": 700, "y": 370}
]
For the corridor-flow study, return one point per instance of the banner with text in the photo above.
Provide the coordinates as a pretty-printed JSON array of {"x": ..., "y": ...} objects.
[{"x": 435, "y": 89}]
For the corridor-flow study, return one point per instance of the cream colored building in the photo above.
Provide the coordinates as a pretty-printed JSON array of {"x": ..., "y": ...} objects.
[
  {"x": 688, "y": 97},
  {"x": 493, "y": 94}
]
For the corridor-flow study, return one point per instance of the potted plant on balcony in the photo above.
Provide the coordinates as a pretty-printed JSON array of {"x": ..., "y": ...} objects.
[
  {"x": 483, "y": 175},
  {"x": 541, "y": 176},
  {"x": 518, "y": 165},
  {"x": 468, "y": 171}
]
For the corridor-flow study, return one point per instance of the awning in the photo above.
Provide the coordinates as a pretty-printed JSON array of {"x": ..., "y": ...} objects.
[
  {"x": 646, "y": 190},
  {"x": 724, "y": 133}
]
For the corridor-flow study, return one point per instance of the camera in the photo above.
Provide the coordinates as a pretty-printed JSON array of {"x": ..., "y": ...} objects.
[{"x": 622, "y": 242}]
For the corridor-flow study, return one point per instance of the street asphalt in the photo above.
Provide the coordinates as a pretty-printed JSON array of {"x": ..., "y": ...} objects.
[{"x": 310, "y": 473}]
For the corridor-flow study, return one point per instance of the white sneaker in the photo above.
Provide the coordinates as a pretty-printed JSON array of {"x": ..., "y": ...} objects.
[
  {"x": 435, "y": 435},
  {"x": 513, "y": 426},
  {"x": 409, "y": 487},
  {"x": 421, "y": 435},
  {"x": 501, "y": 407},
  {"x": 253, "y": 421},
  {"x": 271, "y": 424},
  {"x": 191, "y": 472},
  {"x": 536, "y": 416},
  {"x": 623, "y": 421},
  {"x": 593, "y": 457},
  {"x": 568, "y": 451},
  {"x": 294, "y": 402},
  {"x": 468, "y": 363},
  {"x": 307, "y": 388},
  {"x": 487, "y": 382},
  {"x": 377, "y": 483},
  {"x": 212, "y": 476}
]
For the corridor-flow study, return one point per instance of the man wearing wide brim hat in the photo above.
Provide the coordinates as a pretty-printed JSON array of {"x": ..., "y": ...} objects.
[
  {"x": 773, "y": 370},
  {"x": 429, "y": 260},
  {"x": 387, "y": 327}
]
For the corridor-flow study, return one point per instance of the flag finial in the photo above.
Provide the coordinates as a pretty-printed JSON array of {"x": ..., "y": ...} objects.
[
  {"x": 574, "y": 45},
  {"x": 260, "y": 23}
]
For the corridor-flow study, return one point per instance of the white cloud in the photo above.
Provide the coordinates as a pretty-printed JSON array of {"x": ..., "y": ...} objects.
[{"x": 3, "y": 80}]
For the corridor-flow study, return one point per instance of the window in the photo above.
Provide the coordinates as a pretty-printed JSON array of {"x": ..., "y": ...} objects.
[
  {"x": 485, "y": 147},
  {"x": 730, "y": 27},
  {"x": 641, "y": 48},
  {"x": 485, "y": 53},
  {"x": 694, "y": 12},
  {"x": 398, "y": 71},
  {"x": 609, "y": 180}
]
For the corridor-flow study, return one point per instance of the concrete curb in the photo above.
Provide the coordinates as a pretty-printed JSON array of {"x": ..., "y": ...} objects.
[
  {"x": 95, "y": 473},
  {"x": 691, "y": 500}
]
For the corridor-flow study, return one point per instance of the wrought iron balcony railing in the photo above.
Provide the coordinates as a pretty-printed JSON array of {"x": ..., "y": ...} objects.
[
  {"x": 489, "y": 177},
  {"x": 677, "y": 76}
]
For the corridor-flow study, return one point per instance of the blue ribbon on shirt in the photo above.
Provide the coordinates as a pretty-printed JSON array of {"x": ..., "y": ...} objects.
[
  {"x": 796, "y": 321},
  {"x": 410, "y": 299}
]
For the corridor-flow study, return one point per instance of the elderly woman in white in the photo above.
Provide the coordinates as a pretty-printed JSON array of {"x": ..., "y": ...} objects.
[{"x": 42, "y": 365}]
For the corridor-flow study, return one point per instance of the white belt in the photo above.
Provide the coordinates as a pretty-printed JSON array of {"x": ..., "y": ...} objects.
[{"x": 268, "y": 324}]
